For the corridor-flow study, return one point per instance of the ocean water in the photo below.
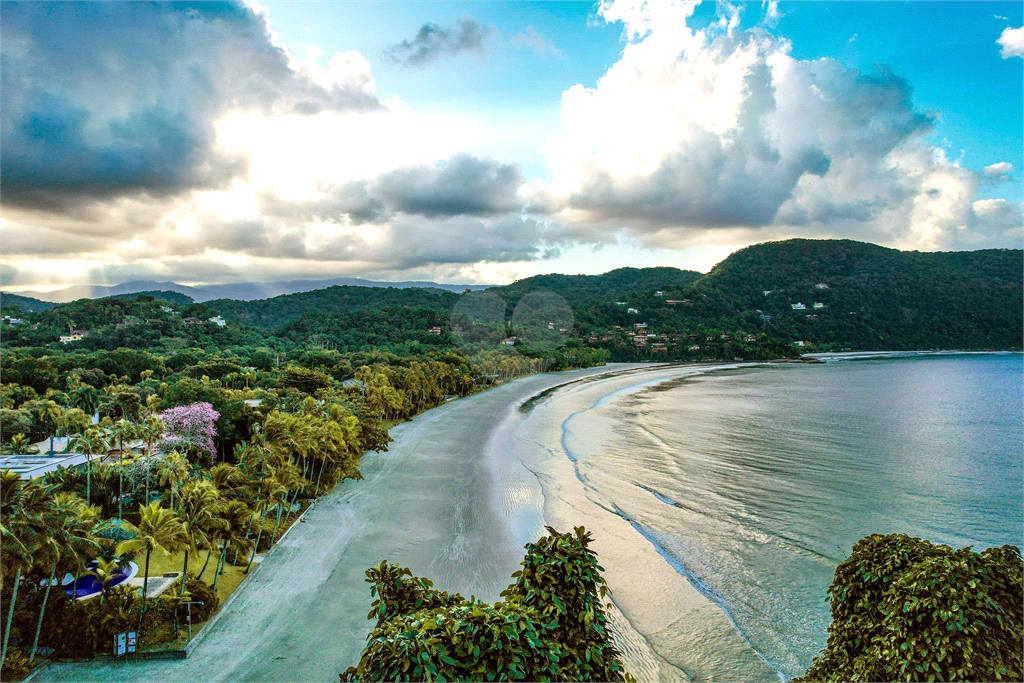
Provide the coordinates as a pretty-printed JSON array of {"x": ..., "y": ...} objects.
[{"x": 756, "y": 482}]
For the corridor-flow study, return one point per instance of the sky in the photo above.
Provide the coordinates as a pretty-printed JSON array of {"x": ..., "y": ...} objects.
[{"x": 482, "y": 142}]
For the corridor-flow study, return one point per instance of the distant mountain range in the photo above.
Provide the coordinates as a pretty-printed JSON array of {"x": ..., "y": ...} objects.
[{"x": 239, "y": 291}]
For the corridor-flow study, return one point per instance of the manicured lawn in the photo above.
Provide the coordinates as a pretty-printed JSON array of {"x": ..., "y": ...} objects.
[{"x": 159, "y": 563}]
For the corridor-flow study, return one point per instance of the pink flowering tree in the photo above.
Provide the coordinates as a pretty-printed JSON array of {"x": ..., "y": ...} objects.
[{"x": 190, "y": 427}]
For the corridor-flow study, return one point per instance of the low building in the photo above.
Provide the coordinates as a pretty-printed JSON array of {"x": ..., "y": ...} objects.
[
  {"x": 798, "y": 343},
  {"x": 509, "y": 341},
  {"x": 693, "y": 347},
  {"x": 821, "y": 285},
  {"x": 818, "y": 304},
  {"x": 639, "y": 326},
  {"x": 32, "y": 466},
  {"x": 659, "y": 293},
  {"x": 749, "y": 338},
  {"x": 218, "y": 321},
  {"x": 73, "y": 336},
  {"x": 632, "y": 310},
  {"x": 798, "y": 306},
  {"x": 434, "y": 330}
]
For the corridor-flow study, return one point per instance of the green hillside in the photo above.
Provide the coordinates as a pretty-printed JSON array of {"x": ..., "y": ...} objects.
[
  {"x": 875, "y": 297},
  {"x": 26, "y": 303},
  {"x": 765, "y": 301},
  {"x": 164, "y": 295},
  {"x": 271, "y": 313},
  {"x": 608, "y": 286}
]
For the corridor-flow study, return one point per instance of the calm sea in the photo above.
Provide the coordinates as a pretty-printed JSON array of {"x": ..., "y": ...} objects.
[{"x": 756, "y": 482}]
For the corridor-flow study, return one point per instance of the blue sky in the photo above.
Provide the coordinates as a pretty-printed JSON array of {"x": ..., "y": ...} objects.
[{"x": 485, "y": 141}]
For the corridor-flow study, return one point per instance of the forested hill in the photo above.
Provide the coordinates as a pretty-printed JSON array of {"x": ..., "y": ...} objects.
[
  {"x": 271, "y": 313},
  {"x": 616, "y": 283},
  {"x": 802, "y": 262},
  {"x": 874, "y": 297},
  {"x": 165, "y": 295},
  {"x": 26, "y": 304}
]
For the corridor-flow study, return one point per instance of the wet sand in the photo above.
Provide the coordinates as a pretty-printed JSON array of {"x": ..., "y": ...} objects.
[{"x": 461, "y": 490}]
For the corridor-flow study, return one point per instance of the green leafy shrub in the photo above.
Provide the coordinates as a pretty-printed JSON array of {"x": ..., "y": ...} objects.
[
  {"x": 15, "y": 666},
  {"x": 904, "y": 609},
  {"x": 200, "y": 592},
  {"x": 550, "y": 627},
  {"x": 81, "y": 628}
]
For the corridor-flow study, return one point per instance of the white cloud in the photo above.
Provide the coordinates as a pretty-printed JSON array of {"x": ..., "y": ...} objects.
[
  {"x": 1012, "y": 42},
  {"x": 999, "y": 170},
  {"x": 721, "y": 135},
  {"x": 771, "y": 13},
  {"x": 538, "y": 43}
]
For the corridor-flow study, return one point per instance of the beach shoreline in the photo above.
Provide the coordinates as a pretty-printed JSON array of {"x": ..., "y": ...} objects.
[{"x": 666, "y": 627}]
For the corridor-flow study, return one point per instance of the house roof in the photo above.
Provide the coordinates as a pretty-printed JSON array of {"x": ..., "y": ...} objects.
[{"x": 32, "y": 466}]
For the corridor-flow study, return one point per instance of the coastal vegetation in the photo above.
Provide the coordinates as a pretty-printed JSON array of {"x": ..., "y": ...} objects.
[
  {"x": 904, "y": 609},
  {"x": 551, "y": 625},
  {"x": 197, "y": 460}
]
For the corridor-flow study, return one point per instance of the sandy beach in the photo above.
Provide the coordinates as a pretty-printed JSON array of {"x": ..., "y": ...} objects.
[{"x": 461, "y": 490}]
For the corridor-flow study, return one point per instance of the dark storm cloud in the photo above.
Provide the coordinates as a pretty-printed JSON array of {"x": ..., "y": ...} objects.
[
  {"x": 346, "y": 199},
  {"x": 433, "y": 42},
  {"x": 465, "y": 185},
  {"x": 102, "y": 100}
]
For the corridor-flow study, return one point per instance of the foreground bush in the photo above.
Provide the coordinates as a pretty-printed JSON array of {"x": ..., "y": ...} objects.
[
  {"x": 15, "y": 666},
  {"x": 198, "y": 591},
  {"x": 550, "y": 627},
  {"x": 904, "y": 609}
]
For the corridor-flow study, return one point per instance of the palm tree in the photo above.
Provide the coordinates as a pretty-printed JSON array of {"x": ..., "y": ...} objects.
[
  {"x": 68, "y": 526},
  {"x": 199, "y": 500},
  {"x": 269, "y": 493},
  {"x": 290, "y": 476},
  {"x": 159, "y": 528},
  {"x": 19, "y": 444},
  {"x": 238, "y": 521},
  {"x": 71, "y": 422},
  {"x": 87, "y": 398},
  {"x": 89, "y": 444},
  {"x": 104, "y": 572},
  {"x": 49, "y": 413},
  {"x": 22, "y": 506},
  {"x": 172, "y": 471},
  {"x": 122, "y": 430},
  {"x": 152, "y": 431},
  {"x": 226, "y": 477}
]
